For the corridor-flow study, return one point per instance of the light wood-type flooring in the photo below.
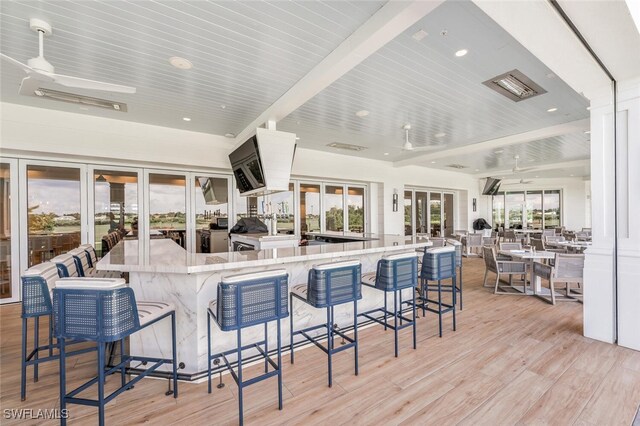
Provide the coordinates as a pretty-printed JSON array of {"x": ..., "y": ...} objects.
[{"x": 513, "y": 360}]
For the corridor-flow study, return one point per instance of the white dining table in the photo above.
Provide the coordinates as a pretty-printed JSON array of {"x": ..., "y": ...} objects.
[
  {"x": 527, "y": 233},
  {"x": 535, "y": 282}
]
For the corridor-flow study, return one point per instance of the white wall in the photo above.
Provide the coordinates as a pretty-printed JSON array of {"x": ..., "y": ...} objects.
[{"x": 39, "y": 132}]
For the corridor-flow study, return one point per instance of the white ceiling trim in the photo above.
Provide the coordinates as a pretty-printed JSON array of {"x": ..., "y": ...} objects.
[
  {"x": 542, "y": 167},
  {"x": 386, "y": 24},
  {"x": 530, "y": 136}
]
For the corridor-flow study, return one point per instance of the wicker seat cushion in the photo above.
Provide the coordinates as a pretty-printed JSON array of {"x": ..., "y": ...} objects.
[
  {"x": 150, "y": 311},
  {"x": 369, "y": 278},
  {"x": 444, "y": 249},
  {"x": 91, "y": 283}
]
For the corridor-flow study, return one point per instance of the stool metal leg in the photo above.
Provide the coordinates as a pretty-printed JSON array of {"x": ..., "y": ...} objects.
[
  {"x": 385, "y": 310},
  {"x": 209, "y": 351},
  {"x": 63, "y": 382},
  {"x": 413, "y": 308},
  {"x": 240, "y": 384},
  {"x": 101, "y": 380},
  {"x": 440, "y": 306},
  {"x": 123, "y": 379},
  {"x": 329, "y": 343},
  {"x": 266, "y": 348},
  {"x": 279, "y": 336},
  {"x": 23, "y": 378},
  {"x": 395, "y": 321},
  {"x": 453, "y": 281},
  {"x": 355, "y": 333},
  {"x": 174, "y": 353},
  {"x": 291, "y": 327},
  {"x": 50, "y": 335},
  {"x": 460, "y": 269},
  {"x": 36, "y": 341}
]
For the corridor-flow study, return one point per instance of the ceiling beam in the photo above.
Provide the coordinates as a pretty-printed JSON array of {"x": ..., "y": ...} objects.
[
  {"x": 534, "y": 169},
  {"x": 530, "y": 136},
  {"x": 387, "y": 23}
]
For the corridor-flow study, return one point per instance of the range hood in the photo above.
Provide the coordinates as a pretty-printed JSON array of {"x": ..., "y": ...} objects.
[
  {"x": 214, "y": 190},
  {"x": 262, "y": 164}
]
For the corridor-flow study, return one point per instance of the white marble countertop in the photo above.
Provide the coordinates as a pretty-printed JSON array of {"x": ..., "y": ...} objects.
[
  {"x": 355, "y": 236},
  {"x": 265, "y": 236},
  {"x": 165, "y": 256}
]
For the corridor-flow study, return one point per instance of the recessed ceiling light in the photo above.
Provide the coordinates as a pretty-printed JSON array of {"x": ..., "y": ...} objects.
[
  {"x": 229, "y": 135},
  {"x": 180, "y": 63},
  {"x": 571, "y": 175},
  {"x": 420, "y": 35},
  {"x": 386, "y": 153},
  {"x": 433, "y": 162},
  {"x": 587, "y": 132},
  {"x": 297, "y": 138},
  {"x": 499, "y": 151},
  {"x": 460, "y": 53},
  {"x": 537, "y": 176},
  {"x": 440, "y": 135},
  {"x": 362, "y": 113},
  {"x": 477, "y": 170},
  {"x": 223, "y": 106},
  {"x": 186, "y": 118},
  {"x": 554, "y": 109},
  {"x": 531, "y": 160},
  {"x": 588, "y": 108}
]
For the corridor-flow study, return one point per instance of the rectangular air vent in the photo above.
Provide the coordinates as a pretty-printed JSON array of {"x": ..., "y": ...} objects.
[
  {"x": 515, "y": 86},
  {"x": 346, "y": 146},
  {"x": 456, "y": 166},
  {"x": 80, "y": 99}
]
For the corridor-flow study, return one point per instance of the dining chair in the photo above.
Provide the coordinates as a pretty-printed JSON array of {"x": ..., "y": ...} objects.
[
  {"x": 502, "y": 267},
  {"x": 568, "y": 269}
]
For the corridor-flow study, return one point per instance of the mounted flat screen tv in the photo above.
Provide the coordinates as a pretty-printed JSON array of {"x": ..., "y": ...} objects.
[
  {"x": 491, "y": 187},
  {"x": 247, "y": 166}
]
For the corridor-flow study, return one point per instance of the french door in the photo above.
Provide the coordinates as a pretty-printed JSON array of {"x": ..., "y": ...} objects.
[
  {"x": 429, "y": 212},
  {"x": 9, "y": 231}
]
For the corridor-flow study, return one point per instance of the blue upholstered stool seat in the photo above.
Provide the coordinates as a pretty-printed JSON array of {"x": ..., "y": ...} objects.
[
  {"x": 246, "y": 300},
  {"x": 105, "y": 310},
  {"x": 394, "y": 273},
  {"x": 329, "y": 285}
]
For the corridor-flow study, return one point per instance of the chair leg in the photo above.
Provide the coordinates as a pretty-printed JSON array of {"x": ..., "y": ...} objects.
[
  {"x": 329, "y": 344},
  {"x": 23, "y": 365},
  {"x": 291, "y": 329},
  {"x": 101, "y": 380},
  {"x": 174, "y": 353},
  {"x": 355, "y": 333},
  {"x": 413, "y": 311},
  {"x": 266, "y": 347},
  {"x": 279, "y": 343},
  {"x": 484, "y": 282},
  {"x": 51, "y": 335},
  {"x": 460, "y": 269},
  {"x": 453, "y": 283},
  {"x": 36, "y": 342},
  {"x": 385, "y": 310},
  {"x": 62, "y": 380},
  {"x": 440, "y": 306},
  {"x": 240, "y": 384},
  {"x": 552, "y": 287},
  {"x": 424, "y": 285},
  {"x": 209, "y": 351},
  {"x": 495, "y": 290},
  {"x": 395, "y": 321},
  {"x": 123, "y": 379}
]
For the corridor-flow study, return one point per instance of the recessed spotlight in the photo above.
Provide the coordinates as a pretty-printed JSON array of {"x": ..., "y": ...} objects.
[
  {"x": 477, "y": 170},
  {"x": 440, "y": 135},
  {"x": 229, "y": 135},
  {"x": 460, "y": 53},
  {"x": 420, "y": 35},
  {"x": 531, "y": 160},
  {"x": 186, "y": 118},
  {"x": 571, "y": 175},
  {"x": 499, "y": 151},
  {"x": 297, "y": 138},
  {"x": 588, "y": 108},
  {"x": 537, "y": 176},
  {"x": 223, "y": 106},
  {"x": 180, "y": 63},
  {"x": 554, "y": 109},
  {"x": 386, "y": 153},
  {"x": 587, "y": 132},
  {"x": 362, "y": 113},
  {"x": 433, "y": 162}
]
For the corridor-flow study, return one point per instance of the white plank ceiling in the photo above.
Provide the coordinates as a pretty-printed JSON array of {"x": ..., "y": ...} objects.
[{"x": 246, "y": 54}]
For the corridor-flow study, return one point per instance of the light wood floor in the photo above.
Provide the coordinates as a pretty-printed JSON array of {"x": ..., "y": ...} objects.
[{"x": 513, "y": 360}]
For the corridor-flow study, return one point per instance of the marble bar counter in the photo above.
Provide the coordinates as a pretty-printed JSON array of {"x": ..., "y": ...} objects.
[{"x": 161, "y": 270}]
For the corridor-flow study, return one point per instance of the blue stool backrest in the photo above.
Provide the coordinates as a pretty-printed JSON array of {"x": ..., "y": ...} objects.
[
  {"x": 255, "y": 298},
  {"x": 334, "y": 283},
  {"x": 95, "y": 314},
  {"x": 92, "y": 257},
  {"x": 81, "y": 260},
  {"x": 66, "y": 264},
  {"x": 37, "y": 284},
  {"x": 438, "y": 263},
  {"x": 458, "y": 246},
  {"x": 397, "y": 271}
]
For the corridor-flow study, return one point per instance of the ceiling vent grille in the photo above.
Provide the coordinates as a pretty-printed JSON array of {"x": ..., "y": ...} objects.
[
  {"x": 346, "y": 146},
  {"x": 456, "y": 166},
  {"x": 80, "y": 99},
  {"x": 515, "y": 86}
]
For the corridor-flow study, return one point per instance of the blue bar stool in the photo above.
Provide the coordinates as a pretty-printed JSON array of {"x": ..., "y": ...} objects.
[
  {"x": 37, "y": 286},
  {"x": 66, "y": 264},
  {"x": 438, "y": 263},
  {"x": 458, "y": 246},
  {"x": 243, "y": 301},
  {"x": 103, "y": 311},
  {"x": 82, "y": 259},
  {"x": 329, "y": 285},
  {"x": 395, "y": 273}
]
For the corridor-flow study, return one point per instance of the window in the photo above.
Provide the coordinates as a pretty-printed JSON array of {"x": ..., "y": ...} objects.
[
  {"x": 355, "y": 206},
  {"x": 6, "y": 281},
  {"x": 408, "y": 212},
  {"x": 309, "y": 208},
  {"x": 527, "y": 209},
  {"x": 115, "y": 203},
  {"x": 435, "y": 214},
  {"x": 333, "y": 208},
  {"x": 283, "y": 208},
  {"x": 167, "y": 207}
]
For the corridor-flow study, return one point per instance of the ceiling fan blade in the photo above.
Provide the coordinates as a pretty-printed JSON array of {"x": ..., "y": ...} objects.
[
  {"x": 83, "y": 83},
  {"x": 424, "y": 148},
  {"x": 29, "y": 86},
  {"x": 24, "y": 67}
]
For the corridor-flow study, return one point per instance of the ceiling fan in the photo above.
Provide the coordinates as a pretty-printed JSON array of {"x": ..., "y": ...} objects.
[
  {"x": 521, "y": 182},
  {"x": 518, "y": 169},
  {"x": 38, "y": 69},
  {"x": 408, "y": 146}
]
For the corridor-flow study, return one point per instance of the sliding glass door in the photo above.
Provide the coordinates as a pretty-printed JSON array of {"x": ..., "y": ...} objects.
[
  {"x": 167, "y": 213},
  {"x": 536, "y": 209},
  {"x": 433, "y": 213},
  {"x": 9, "y": 259},
  {"x": 309, "y": 207}
]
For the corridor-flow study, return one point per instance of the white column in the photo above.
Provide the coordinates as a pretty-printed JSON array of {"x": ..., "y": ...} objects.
[{"x": 628, "y": 179}]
